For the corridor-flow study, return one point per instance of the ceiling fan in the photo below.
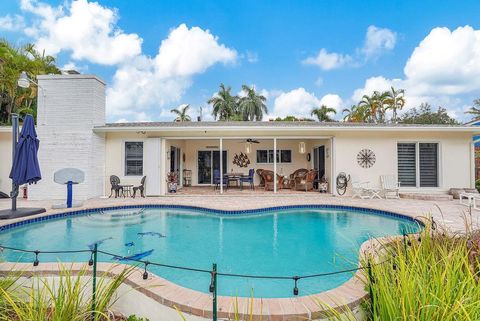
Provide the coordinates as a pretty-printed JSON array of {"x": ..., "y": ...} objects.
[{"x": 250, "y": 140}]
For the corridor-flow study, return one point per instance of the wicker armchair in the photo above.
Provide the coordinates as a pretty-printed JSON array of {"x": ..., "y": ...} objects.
[
  {"x": 298, "y": 173},
  {"x": 306, "y": 181},
  {"x": 269, "y": 182},
  {"x": 262, "y": 181}
]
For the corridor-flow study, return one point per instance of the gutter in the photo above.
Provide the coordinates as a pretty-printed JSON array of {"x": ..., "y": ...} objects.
[{"x": 465, "y": 129}]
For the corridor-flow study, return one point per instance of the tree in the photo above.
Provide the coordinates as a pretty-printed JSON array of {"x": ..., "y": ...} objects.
[
  {"x": 395, "y": 101},
  {"x": 368, "y": 104},
  {"x": 475, "y": 109},
  {"x": 12, "y": 62},
  {"x": 181, "y": 113},
  {"x": 252, "y": 106},
  {"x": 224, "y": 105},
  {"x": 425, "y": 115},
  {"x": 292, "y": 118},
  {"x": 322, "y": 113}
]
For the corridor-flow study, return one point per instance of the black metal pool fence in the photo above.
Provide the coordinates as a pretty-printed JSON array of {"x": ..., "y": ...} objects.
[{"x": 214, "y": 273}]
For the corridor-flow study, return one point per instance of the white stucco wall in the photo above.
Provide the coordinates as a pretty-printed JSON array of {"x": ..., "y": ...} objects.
[
  {"x": 71, "y": 107},
  {"x": 5, "y": 161},
  {"x": 454, "y": 156}
]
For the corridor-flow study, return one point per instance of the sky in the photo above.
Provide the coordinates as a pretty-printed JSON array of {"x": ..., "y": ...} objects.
[{"x": 158, "y": 55}]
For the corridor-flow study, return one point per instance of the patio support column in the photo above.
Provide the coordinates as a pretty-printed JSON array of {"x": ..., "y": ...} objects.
[
  {"x": 275, "y": 165},
  {"x": 221, "y": 165}
]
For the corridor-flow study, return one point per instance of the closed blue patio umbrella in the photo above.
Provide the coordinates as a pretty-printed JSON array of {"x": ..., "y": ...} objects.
[{"x": 25, "y": 167}]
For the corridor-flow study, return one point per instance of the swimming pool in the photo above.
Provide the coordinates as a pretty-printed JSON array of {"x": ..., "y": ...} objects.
[{"x": 278, "y": 242}]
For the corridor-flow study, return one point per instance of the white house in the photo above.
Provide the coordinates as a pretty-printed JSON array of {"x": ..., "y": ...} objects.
[{"x": 73, "y": 133}]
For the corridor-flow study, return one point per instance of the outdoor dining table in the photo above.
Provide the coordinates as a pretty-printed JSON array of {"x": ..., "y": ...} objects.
[
  {"x": 127, "y": 190},
  {"x": 233, "y": 177}
]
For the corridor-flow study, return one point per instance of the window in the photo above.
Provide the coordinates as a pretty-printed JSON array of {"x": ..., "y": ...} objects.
[
  {"x": 133, "y": 158},
  {"x": 417, "y": 164},
  {"x": 266, "y": 156}
]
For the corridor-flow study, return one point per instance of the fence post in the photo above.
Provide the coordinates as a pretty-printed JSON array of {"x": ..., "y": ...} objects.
[
  {"x": 214, "y": 301},
  {"x": 94, "y": 280},
  {"x": 370, "y": 287}
]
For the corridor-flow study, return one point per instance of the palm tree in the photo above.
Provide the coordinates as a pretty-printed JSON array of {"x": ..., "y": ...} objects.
[
  {"x": 356, "y": 114},
  {"x": 252, "y": 105},
  {"x": 181, "y": 113},
  {"x": 475, "y": 109},
  {"x": 370, "y": 105},
  {"x": 224, "y": 104},
  {"x": 322, "y": 113},
  {"x": 395, "y": 101},
  {"x": 12, "y": 62}
]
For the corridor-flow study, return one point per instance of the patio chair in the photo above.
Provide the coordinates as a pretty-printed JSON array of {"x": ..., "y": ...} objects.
[
  {"x": 305, "y": 182},
  {"x": 262, "y": 181},
  {"x": 217, "y": 180},
  {"x": 115, "y": 182},
  {"x": 390, "y": 186},
  {"x": 361, "y": 190},
  {"x": 248, "y": 179},
  {"x": 298, "y": 173},
  {"x": 269, "y": 180},
  {"x": 140, "y": 188}
]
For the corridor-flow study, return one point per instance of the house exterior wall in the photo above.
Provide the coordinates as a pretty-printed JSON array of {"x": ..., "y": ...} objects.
[
  {"x": 454, "y": 156},
  {"x": 5, "y": 161},
  {"x": 69, "y": 109}
]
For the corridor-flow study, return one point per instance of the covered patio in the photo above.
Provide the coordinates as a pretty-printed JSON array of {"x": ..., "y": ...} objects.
[{"x": 245, "y": 165}]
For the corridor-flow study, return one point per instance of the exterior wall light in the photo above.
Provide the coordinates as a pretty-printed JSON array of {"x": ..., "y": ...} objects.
[
  {"x": 301, "y": 148},
  {"x": 248, "y": 147}
]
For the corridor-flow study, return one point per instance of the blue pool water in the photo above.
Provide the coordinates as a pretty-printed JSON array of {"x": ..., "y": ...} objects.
[{"x": 299, "y": 241}]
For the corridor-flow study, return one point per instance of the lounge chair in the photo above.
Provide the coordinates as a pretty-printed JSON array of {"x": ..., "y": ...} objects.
[
  {"x": 390, "y": 186},
  {"x": 269, "y": 180},
  {"x": 298, "y": 173},
  {"x": 305, "y": 182},
  {"x": 116, "y": 187},
  {"x": 140, "y": 188},
  {"x": 361, "y": 190},
  {"x": 248, "y": 179}
]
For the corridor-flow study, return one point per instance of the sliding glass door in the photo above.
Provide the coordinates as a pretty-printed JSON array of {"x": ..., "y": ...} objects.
[{"x": 207, "y": 162}]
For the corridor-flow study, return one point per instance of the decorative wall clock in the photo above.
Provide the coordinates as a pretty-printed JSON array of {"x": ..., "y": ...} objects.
[{"x": 366, "y": 158}]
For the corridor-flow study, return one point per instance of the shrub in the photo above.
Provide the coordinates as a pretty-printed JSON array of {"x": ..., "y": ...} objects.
[{"x": 431, "y": 278}]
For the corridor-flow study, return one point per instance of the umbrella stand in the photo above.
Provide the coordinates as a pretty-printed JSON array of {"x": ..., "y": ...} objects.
[{"x": 15, "y": 212}]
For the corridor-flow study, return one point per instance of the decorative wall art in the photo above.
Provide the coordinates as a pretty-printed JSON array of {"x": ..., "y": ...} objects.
[
  {"x": 241, "y": 160},
  {"x": 366, "y": 158}
]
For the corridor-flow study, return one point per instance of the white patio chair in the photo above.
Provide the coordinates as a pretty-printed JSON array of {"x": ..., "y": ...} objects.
[
  {"x": 390, "y": 186},
  {"x": 361, "y": 190}
]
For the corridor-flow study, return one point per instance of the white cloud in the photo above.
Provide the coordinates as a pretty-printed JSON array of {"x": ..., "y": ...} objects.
[
  {"x": 446, "y": 62},
  {"x": 86, "y": 29},
  {"x": 163, "y": 79},
  {"x": 299, "y": 102},
  {"x": 444, "y": 65},
  {"x": 328, "y": 61},
  {"x": 332, "y": 100},
  {"x": 378, "y": 40},
  {"x": 12, "y": 23}
]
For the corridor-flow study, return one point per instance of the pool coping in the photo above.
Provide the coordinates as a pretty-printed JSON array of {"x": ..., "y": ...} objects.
[{"x": 349, "y": 294}]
